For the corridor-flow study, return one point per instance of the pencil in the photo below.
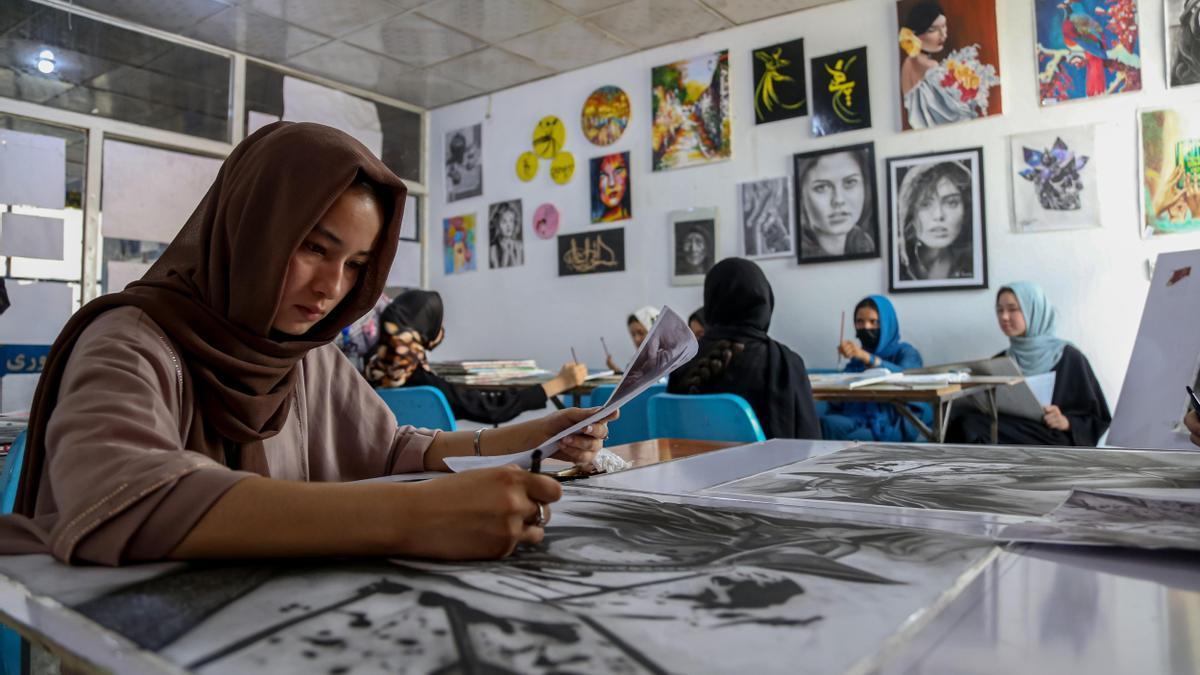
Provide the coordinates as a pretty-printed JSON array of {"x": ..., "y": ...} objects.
[
  {"x": 574, "y": 359},
  {"x": 605, "y": 345},
  {"x": 841, "y": 337}
]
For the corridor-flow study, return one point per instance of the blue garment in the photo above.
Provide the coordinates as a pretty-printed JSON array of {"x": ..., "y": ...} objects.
[
  {"x": 850, "y": 421},
  {"x": 1039, "y": 350}
]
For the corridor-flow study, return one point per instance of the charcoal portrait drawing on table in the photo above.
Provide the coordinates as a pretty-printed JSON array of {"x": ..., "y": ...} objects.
[
  {"x": 1053, "y": 177},
  {"x": 936, "y": 226},
  {"x": 620, "y": 584},
  {"x": 836, "y": 214},
  {"x": 464, "y": 163},
  {"x": 766, "y": 212},
  {"x": 1009, "y": 480}
]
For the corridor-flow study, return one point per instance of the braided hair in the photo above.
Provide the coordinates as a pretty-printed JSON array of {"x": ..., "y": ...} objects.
[{"x": 710, "y": 365}]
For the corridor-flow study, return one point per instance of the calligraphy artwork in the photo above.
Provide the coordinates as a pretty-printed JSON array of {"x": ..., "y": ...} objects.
[
  {"x": 591, "y": 252},
  {"x": 691, "y": 112},
  {"x": 458, "y": 243},
  {"x": 611, "y": 188},
  {"x": 841, "y": 98},
  {"x": 605, "y": 115},
  {"x": 464, "y": 163},
  {"x": 1054, "y": 184},
  {"x": 549, "y": 136},
  {"x": 1170, "y": 144},
  {"x": 22, "y": 359},
  {"x": 780, "y": 84},
  {"x": 621, "y": 584},
  {"x": 949, "y": 61},
  {"x": 1087, "y": 48}
]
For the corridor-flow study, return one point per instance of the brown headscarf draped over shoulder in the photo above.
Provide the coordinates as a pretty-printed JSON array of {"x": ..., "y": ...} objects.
[{"x": 216, "y": 288}]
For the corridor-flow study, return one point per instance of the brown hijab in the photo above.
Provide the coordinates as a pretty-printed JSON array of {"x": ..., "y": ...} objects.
[{"x": 216, "y": 288}]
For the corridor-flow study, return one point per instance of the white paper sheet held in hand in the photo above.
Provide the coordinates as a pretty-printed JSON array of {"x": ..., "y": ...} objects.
[{"x": 669, "y": 345}]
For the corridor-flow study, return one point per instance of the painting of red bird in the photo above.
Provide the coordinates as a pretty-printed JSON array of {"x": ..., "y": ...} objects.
[{"x": 1087, "y": 48}]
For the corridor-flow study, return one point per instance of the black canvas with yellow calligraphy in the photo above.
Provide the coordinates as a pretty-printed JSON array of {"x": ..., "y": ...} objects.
[
  {"x": 591, "y": 252},
  {"x": 841, "y": 98},
  {"x": 780, "y": 84}
]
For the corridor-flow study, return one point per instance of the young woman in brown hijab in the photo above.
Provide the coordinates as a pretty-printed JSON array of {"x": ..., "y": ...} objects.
[{"x": 204, "y": 412}]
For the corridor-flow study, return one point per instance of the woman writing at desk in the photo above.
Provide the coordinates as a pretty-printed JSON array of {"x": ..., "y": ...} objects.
[
  {"x": 205, "y": 413},
  {"x": 1078, "y": 413},
  {"x": 411, "y": 327},
  {"x": 878, "y": 331}
]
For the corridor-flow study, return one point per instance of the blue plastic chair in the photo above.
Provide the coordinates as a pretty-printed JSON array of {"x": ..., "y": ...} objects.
[
  {"x": 424, "y": 407},
  {"x": 10, "y": 477},
  {"x": 634, "y": 423},
  {"x": 707, "y": 417}
]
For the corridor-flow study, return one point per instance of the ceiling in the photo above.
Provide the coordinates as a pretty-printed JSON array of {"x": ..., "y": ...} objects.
[{"x": 434, "y": 53}]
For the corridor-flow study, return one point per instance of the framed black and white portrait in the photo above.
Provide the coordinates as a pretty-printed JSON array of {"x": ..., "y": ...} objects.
[
  {"x": 464, "y": 163},
  {"x": 766, "y": 212},
  {"x": 936, "y": 229},
  {"x": 506, "y": 236},
  {"x": 693, "y": 245},
  {"x": 836, "y": 214}
]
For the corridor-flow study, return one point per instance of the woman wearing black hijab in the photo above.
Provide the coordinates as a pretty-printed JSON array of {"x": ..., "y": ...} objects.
[
  {"x": 738, "y": 357},
  {"x": 411, "y": 327}
]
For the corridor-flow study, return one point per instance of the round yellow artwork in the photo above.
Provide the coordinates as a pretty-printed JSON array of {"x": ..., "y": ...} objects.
[
  {"x": 548, "y": 137},
  {"x": 527, "y": 166},
  {"x": 562, "y": 168}
]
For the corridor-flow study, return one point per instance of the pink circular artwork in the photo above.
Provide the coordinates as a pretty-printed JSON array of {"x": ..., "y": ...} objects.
[{"x": 545, "y": 221}]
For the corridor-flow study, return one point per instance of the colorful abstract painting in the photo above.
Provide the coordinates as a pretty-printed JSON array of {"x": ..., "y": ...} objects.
[
  {"x": 841, "y": 99},
  {"x": 605, "y": 115},
  {"x": 1170, "y": 171},
  {"x": 1087, "y": 48},
  {"x": 458, "y": 242},
  {"x": 611, "y": 187},
  {"x": 780, "y": 85},
  {"x": 691, "y": 112},
  {"x": 949, "y": 61}
]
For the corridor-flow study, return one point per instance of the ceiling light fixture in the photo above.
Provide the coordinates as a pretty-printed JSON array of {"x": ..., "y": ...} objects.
[{"x": 45, "y": 64}]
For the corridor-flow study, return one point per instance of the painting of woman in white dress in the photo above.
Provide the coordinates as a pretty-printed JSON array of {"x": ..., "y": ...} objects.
[{"x": 949, "y": 69}]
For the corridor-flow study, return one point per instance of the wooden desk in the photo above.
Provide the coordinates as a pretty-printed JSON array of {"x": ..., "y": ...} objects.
[
  {"x": 941, "y": 397},
  {"x": 657, "y": 450}
]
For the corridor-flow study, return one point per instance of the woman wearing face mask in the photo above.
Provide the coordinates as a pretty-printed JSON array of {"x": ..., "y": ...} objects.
[
  {"x": 1078, "y": 413},
  {"x": 835, "y": 204},
  {"x": 639, "y": 324},
  {"x": 878, "y": 332},
  {"x": 411, "y": 327},
  {"x": 937, "y": 228}
]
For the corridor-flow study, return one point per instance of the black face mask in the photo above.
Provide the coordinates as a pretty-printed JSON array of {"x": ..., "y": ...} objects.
[{"x": 869, "y": 337}]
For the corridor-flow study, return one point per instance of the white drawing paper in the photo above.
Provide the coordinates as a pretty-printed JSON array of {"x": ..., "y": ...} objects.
[
  {"x": 305, "y": 101},
  {"x": 1042, "y": 386},
  {"x": 1165, "y": 359},
  {"x": 31, "y": 236},
  {"x": 33, "y": 169},
  {"x": 669, "y": 345},
  {"x": 149, "y": 193}
]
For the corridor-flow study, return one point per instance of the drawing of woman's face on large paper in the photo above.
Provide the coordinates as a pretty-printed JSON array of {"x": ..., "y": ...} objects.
[
  {"x": 939, "y": 214},
  {"x": 833, "y": 193}
]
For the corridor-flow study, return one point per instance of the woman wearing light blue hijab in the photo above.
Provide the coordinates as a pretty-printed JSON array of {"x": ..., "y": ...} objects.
[
  {"x": 1078, "y": 413},
  {"x": 878, "y": 331}
]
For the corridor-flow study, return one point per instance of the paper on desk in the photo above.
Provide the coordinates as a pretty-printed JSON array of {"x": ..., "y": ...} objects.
[
  {"x": 1042, "y": 386},
  {"x": 1109, "y": 518},
  {"x": 669, "y": 345}
]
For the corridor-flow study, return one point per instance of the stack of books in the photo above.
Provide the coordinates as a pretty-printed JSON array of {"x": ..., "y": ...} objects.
[{"x": 487, "y": 372}]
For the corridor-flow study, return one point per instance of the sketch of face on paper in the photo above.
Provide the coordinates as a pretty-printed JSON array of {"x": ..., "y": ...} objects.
[
  {"x": 731, "y": 587},
  {"x": 464, "y": 163},
  {"x": 835, "y": 204},
  {"x": 591, "y": 252},
  {"x": 693, "y": 244},
  {"x": 611, "y": 198},
  {"x": 1004, "y": 480},
  {"x": 841, "y": 99},
  {"x": 766, "y": 219},
  {"x": 506, "y": 240},
  {"x": 669, "y": 345},
  {"x": 1054, "y": 180}
]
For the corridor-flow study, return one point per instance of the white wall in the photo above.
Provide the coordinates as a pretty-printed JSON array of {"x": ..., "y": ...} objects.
[{"x": 1097, "y": 277}]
